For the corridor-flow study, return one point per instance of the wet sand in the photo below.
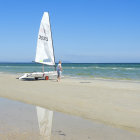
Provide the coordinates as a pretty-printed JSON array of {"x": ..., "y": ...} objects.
[
  {"x": 19, "y": 121},
  {"x": 114, "y": 103}
]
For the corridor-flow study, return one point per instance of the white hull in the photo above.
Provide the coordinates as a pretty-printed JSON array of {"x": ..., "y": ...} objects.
[{"x": 39, "y": 74}]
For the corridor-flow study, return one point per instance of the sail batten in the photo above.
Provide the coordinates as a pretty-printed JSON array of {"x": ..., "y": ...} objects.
[{"x": 45, "y": 52}]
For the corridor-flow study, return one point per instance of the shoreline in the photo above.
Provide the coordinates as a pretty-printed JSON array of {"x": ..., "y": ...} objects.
[
  {"x": 82, "y": 77},
  {"x": 111, "y": 103}
]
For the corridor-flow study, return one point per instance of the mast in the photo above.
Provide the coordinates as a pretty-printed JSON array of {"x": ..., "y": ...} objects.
[
  {"x": 52, "y": 44},
  {"x": 43, "y": 68}
]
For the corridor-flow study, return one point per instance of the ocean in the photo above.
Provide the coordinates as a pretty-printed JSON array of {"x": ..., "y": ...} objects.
[{"x": 116, "y": 71}]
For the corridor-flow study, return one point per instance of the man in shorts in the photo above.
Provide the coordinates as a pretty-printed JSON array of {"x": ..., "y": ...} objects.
[{"x": 59, "y": 70}]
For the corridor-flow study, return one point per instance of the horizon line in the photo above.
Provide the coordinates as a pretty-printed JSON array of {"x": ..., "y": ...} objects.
[{"x": 82, "y": 62}]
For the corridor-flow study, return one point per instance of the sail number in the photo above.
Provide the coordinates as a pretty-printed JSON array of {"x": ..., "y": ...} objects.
[{"x": 43, "y": 38}]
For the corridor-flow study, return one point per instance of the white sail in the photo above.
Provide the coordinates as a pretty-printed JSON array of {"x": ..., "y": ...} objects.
[{"x": 44, "y": 52}]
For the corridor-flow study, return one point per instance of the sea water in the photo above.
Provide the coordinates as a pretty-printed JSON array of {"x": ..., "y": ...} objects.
[{"x": 118, "y": 71}]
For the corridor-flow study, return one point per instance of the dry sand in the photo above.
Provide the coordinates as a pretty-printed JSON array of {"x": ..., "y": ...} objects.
[{"x": 114, "y": 103}]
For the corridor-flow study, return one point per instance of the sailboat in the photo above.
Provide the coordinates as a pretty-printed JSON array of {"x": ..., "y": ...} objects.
[
  {"x": 44, "y": 56},
  {"x": 45, "y": 51}
]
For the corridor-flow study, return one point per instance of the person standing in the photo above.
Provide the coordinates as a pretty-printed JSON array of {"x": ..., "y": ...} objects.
[{"x": 59, "y": 70}]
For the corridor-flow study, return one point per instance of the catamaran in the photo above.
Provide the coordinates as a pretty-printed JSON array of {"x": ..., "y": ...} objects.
[{"x": 45, "y": 51}]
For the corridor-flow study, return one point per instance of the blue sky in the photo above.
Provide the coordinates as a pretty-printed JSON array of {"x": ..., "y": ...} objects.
[{"x": 83, "y": 30}]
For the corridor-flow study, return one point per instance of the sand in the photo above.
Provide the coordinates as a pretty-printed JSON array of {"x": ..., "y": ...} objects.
[
  {"x": 114, "y": 103},
  {"x": 18, "y": 121}
]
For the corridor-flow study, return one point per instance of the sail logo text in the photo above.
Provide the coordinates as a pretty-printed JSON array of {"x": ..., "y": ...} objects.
[{"x": 43, "y": 38}]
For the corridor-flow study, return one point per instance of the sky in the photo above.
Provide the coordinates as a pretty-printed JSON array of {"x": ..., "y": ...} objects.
[{"x": 84, "y": 31}]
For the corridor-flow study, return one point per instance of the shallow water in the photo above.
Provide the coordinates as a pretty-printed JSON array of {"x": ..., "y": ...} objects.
[
  {"x": 120, "y": 71},
  {"x": 18, "y": 121}
]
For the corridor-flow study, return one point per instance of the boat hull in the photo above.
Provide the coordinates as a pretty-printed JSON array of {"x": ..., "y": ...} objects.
[{"x": 39, "y": 75}]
